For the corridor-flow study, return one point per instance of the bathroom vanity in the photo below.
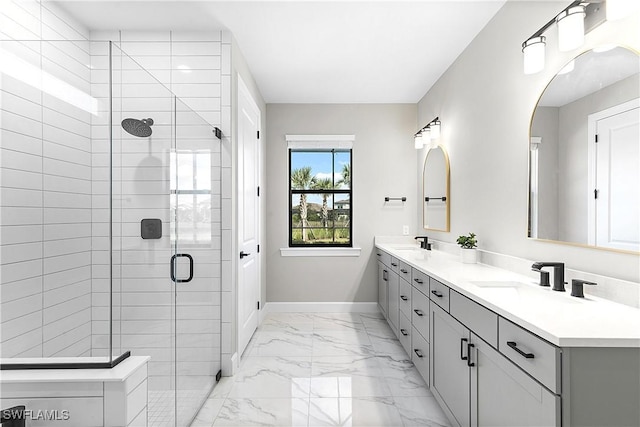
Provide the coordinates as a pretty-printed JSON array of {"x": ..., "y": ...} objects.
[{"x": 498, "y": 350}]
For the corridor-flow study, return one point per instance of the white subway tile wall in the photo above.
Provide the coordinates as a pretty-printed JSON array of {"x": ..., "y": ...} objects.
[{"x": 45, "y": 165}]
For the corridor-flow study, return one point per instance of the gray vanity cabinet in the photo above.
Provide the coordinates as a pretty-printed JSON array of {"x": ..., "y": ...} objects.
[
  {"x": 450, "y": 365},
  {"x": 393, "y": 299},
  {"x": 504, "y": 395},
  {"x": 383, "y": 290}
]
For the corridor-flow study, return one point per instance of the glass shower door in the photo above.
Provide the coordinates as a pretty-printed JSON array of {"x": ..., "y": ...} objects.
[{"x": 196, "y": 259}]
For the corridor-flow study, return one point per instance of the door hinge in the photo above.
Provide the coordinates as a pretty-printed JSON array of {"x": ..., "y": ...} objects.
[
  {"x": 595, "y": 194},
  {"x": 258, "y": 191},
  {"x": 258, "y": 249},
  {"x": 258, "y": 134},
  {"x": 596, "y": 138},
  {"x": 258, "y": 305}
]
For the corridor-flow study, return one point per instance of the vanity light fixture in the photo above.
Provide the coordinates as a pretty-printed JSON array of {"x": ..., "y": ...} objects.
[
  {"x": 571, "y": 28},
  {"x": 429, "y": 133}
]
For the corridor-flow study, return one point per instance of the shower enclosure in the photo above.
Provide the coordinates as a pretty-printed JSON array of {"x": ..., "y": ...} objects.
[{"x": 110, "y": 226}]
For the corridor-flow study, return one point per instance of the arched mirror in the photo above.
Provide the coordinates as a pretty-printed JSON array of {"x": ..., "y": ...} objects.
[
  {"x": 584, "y": 153},
  {"x": 435, "y": 190}
]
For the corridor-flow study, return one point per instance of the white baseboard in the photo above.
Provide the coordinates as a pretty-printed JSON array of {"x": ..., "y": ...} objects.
[
  {"x": 229, "y": 364},
  {"x": 320, "y": 307}
]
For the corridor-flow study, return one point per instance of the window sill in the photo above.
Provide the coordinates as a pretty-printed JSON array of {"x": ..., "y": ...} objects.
[{"x": 320, "y": 252}]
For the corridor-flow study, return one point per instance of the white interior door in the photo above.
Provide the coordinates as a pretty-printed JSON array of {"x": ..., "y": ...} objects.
[
  {"x": 248, "y": 216},
  {"x": 618, "y": 181}
]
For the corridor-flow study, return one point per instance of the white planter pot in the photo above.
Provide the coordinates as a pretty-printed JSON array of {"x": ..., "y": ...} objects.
[{"x": 469, "y": 256}]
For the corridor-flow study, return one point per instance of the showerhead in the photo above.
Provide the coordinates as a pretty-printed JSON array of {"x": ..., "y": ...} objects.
[{"x": 140, "y": 128}]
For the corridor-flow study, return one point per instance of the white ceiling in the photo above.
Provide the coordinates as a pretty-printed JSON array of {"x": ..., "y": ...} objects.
[{"x": 319, "y": 51}]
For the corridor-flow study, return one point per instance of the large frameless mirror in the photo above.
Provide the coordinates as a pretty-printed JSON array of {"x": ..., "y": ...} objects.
[
  {"x": 584, "y": 153},
  {"x": 435, "y": 190}
]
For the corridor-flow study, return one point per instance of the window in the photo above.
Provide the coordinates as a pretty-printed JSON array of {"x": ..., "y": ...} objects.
[
  {"x": 190, "y": 185},
  {"x": 320, "y": 198}
]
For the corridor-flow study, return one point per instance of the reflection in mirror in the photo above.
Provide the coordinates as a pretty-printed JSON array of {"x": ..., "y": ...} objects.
[
  {"x": 435, "y": 190},
  {"x": 584, "y": 153}
]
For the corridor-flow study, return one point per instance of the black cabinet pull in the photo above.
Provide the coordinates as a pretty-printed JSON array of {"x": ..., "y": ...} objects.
[
  {"x": 403, "y": 298},
  {"x": 418, "y": 312},
  {"x": 418, "y": 353},
  {"x": 173, "y": 268},
  {"x": 436, "y": 293},
  {"x": 469, "y": 362},
  {"x": 394, "y": 265},
  {"x": 514, "y": 346},
  {"x": 403, "y": 271},
  {"x": 385, "y": 275},
  {"x": 404, "y": 332},
  {"x": 462, "y": 356},
  {"x": 418, "y": 281},
  {"x": 379, "y": 254}
]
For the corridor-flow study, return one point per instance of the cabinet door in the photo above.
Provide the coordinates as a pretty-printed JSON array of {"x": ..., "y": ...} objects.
[
  {"x": 393, "y": 300},
  {"x": 383, "y": 273},
  {"x": 449, "y": 369},
  {"x": 504, "y": 395}
]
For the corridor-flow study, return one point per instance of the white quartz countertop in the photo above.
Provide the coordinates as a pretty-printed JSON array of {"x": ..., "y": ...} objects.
[
  {"x": 557, "y": 317},
  {"x": 120, "y": 372}
]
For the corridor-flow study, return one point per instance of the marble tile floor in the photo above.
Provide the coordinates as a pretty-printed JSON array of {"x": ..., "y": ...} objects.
[{"x": 323, "y": 369}]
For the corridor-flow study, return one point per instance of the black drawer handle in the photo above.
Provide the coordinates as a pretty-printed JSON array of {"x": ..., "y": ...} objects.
[
  {"x": 418, "y": 312},
  {"x": 404, "y": 332},
  {"x": 403, "y": 271},
  {"x": 469, "y": 362},
  {"x": 418, "y": 281},
  {"x": 379, "y": 254},
  {"x": 514, "y": 346},
  {"x": 418, "y": 353},
  {"x": 403, "y": 298},
  {"x": 394, "y": 265},
  {"x": 462, "y": 356},
  {"x": 436, "y": 293}
]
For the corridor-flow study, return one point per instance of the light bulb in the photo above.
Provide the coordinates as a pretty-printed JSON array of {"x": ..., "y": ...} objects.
[
  {"x": 418, "y": 143},
  {"x": 435, "y": 129},
  {"x": 570, "y": 28},
  {"x": 533, "y": 50}
]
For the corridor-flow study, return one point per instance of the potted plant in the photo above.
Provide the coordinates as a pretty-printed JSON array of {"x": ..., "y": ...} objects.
[{"x": 468, "y": 251}]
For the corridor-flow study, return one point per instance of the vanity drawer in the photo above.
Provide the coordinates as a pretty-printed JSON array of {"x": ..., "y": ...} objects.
[
  {"x": 420, "y": 281},
  {"x": 420, "y": 313},
  {"x": 536, "y": 356},
  {"x": 482, "y": 321},
  {"x": 404, "y": 332},
  {"x": 395, "y": 265},
  {"x": 404, "y": 271},
  {"x": 420, "y": 354},
  {"x": 383, "y": 257},
  {"x": 439, "y": 293},
  {"x": 405, "y": 298}
]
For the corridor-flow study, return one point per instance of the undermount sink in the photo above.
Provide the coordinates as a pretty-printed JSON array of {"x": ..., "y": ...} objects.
[
  {"x": 406, "y": 248},
  {"x": 498, "y": 284}
]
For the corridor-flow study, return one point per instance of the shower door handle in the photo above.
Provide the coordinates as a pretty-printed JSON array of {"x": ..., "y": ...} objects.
[{"x": 173, "y": 268}]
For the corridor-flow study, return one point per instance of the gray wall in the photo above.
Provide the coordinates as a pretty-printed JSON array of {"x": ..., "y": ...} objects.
[
  {"x": 545, "y": 125},
  {"x": 383, "y": 156},
  {"x": 485, "y": 103},
  {"x": 573, "y": 154}
]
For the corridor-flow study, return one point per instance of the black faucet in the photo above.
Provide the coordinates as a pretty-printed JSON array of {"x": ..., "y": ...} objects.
[
  {"x": 558, "y": 274},
  {"x": 577, "y": 288},
  {"x": 424, "y": 244}
]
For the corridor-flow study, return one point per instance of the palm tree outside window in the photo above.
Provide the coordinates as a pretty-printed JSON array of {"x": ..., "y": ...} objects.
[{"x": 320, "y": 198}]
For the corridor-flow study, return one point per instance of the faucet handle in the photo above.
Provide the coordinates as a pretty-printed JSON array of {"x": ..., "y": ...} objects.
[
  {"x": 544, "y": 278},
  {"x": 577, "y": 290}
]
